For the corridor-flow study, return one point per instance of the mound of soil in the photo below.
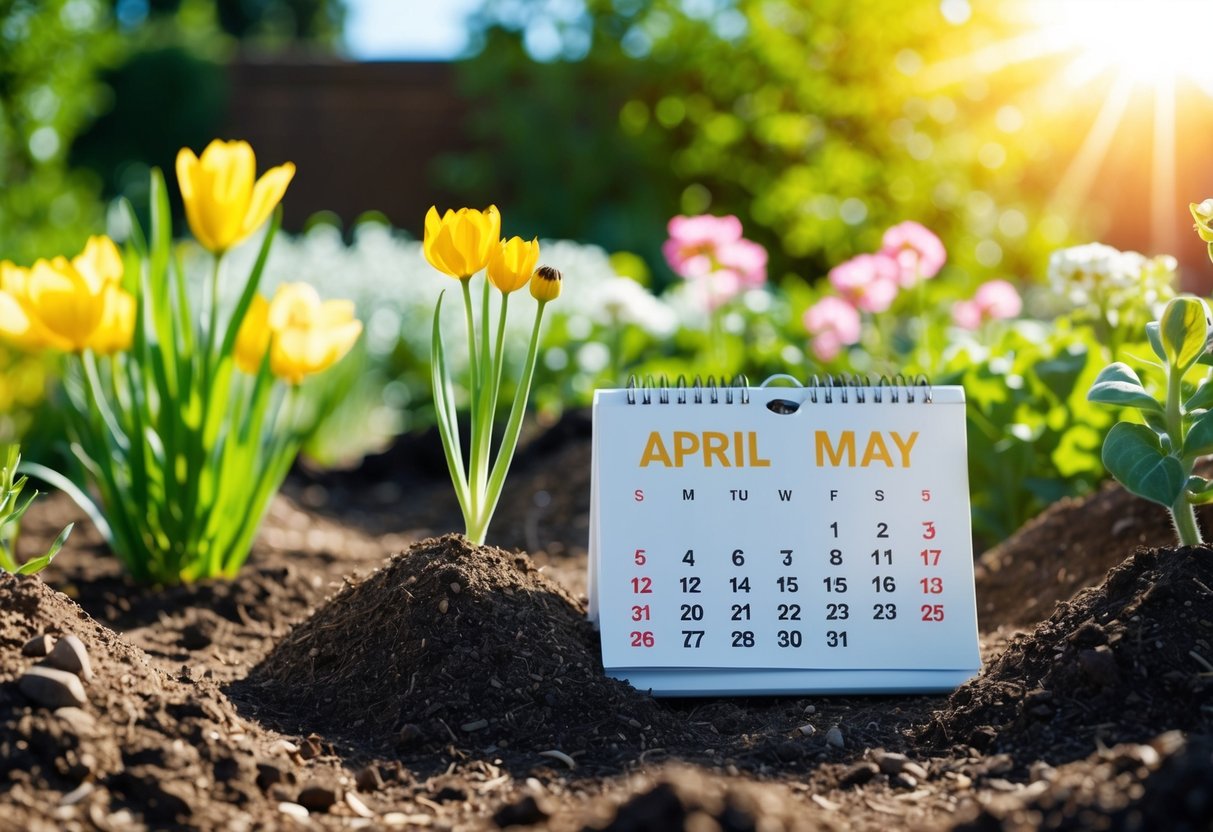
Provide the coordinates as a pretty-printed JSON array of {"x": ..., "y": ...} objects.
[
  {"x": 1122, "y": 662},
  {"x": 1070, "y": 545},
  {"x": 1130, "y": 788},
  {"x": 145, "y": 750},
  {"x": 451, "y": 644}
]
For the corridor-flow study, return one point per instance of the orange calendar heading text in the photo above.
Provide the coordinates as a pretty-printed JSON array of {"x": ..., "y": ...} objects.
[
  {"x": 843, "y": 453},
  {"x": 738, "y": 449}
]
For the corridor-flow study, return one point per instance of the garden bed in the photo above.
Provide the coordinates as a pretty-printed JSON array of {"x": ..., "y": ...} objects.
[{"x": 335, "y": 686}]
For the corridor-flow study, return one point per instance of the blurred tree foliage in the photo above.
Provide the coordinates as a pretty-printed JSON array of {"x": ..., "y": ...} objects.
[
  {"x": 819, "y": 122},
  {"x": 94, "y": 92}
]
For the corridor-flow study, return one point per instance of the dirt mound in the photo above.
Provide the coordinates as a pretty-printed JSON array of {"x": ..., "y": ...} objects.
[
  {"x": 452, "y": 644},
  {"x": 146, "y": 750},
  {"x": 691, "y": 799},
  {"x": 1120, "y": 663},
  {"x": 1130, "y": 788},
  {"x": 1070, "y": 545}
]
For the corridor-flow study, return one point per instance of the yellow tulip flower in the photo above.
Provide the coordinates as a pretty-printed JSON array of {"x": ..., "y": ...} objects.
[
  {"x": 222, "y": 202},
  {"x": 545, "y": 285},
  {"x": 511, "y": 263},
  {"x": 303, "y": 334},
  {"x": 100, "y": 262},
  {"x": 459, "y": 243},
  {"x": 117, "y": 328},
  {"x": 51, "y": 305}
]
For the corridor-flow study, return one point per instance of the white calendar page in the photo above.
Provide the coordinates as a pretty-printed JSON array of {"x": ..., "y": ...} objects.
[{"x": 737, "y": 549}]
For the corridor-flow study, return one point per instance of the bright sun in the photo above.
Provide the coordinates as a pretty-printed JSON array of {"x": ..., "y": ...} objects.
[{"x": 1147, "y": 41}]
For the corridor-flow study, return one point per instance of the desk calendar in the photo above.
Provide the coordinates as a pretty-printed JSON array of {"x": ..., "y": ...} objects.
[{"x": 777, "y": 540}]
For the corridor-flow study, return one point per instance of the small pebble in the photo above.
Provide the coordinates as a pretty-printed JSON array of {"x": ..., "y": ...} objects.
[
  {"x": 834, "y": 737},
  {"x": 38, "y": 646},
  {"x": 443, "y": 606},
  {"x": 317, "y": 798},
  {"x": 858, "y": 774},
  {"x": 52, "y": 688},
  {"x": 80, "y": 721},
  {"x": 807, "y": 730},
  {"x": 369, "y": 780},
  {"x": 474, "y": 725},
  {"x": 357, "y": 806},
  {"x": 293, "y": 810},
  {"x": 69, "y": 654},
  {"x": 456, "y": 588}
]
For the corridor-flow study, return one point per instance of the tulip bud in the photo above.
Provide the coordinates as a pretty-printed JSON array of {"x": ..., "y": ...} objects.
[{"x": 545, "y": 285}]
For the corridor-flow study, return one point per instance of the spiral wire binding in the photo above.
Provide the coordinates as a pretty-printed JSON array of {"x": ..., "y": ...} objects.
[
  {"x": 844, "y": 388},
  {"x": 650, "y": 390}
]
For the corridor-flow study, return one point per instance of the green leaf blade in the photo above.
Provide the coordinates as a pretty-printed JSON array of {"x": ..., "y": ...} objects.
[
  {"x": 1117, "y": 384},
  {"x": 1133, "y": 454},
  {"x": 1185, "y": 331}
]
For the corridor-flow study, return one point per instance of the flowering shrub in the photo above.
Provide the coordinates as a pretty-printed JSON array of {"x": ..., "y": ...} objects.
[
  {"x": 176, "y": 417},
  {"x": 996, "y": 300}
]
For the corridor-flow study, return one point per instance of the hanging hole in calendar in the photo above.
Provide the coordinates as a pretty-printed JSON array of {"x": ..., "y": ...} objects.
[{"x": 784, "y": 407}]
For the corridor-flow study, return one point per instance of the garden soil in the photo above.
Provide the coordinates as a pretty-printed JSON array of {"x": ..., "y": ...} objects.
[{"x": 343, "y": 682}]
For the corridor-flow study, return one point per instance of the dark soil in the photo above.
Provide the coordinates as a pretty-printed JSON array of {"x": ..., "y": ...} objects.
[{"x": 367, "y": 691}]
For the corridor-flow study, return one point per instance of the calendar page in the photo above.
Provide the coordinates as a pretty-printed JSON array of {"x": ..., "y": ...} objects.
[{"x": 753, "y": 540}]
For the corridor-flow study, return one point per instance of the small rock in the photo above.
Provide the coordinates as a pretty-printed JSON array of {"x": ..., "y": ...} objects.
[
  {"x": 456, "y": 588},
  {"x": 858, "y": 774},
  {"x": 270, "y": 774},
  {"x": 369, "y": 780},
  {"x": 807, "y": 730},
  {"x": 834, "y": 737},
  {"x": 474, "y": 725},
  {"x": 357, "y": 806},
  {"x": 312, "y": 747},
  {"x": 69, "y": 654},
  {"x": 408, "y": 735},
  {"x": 443, "y": 606},
  {"x": 52, "y": 688},
  {"x": 293, "y": 810},
  {"x": 904, "y": 780},
  {"x": 1099, "y": 666},
  {"x": 199, "y": 634},
  {"x": 38, "y": 646},
  {"x": 81, "y": 722},
  {"x": 523, "y": 812},
  {"x": 317, "y": 798},
  {"x": 890, "y": 762},
  {"x": 982, "y": 737}
]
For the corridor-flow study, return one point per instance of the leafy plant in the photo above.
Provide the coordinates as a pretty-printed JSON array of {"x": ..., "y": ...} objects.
[
  {"x": 11, "y": 512},
  {"x": 185, "y": 451},
  {"x": 461, "y": 244},
  {"x": 1155, "y": 460}
]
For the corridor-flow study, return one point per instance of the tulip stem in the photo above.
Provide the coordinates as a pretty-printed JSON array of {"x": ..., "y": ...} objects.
[
  {"x": 474, "y": 391},
  {"x": 509, "y": 442},
  {"x": 89, "y": 361},
  {"x": 495, "y": 381}
]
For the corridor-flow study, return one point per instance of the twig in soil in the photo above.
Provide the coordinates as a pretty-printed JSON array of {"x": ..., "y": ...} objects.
[
  {"x": 448, "y": 730},
  {"x": 1201, "y": 584},
  {"x": 561, "y": 756},
  {"x": 1201, "y": 659}
]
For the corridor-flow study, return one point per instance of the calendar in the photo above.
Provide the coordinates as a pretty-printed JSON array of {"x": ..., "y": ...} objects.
[{"x": 783, "y": 540}]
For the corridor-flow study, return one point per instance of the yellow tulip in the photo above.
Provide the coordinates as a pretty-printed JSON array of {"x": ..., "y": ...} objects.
[
  {"x": 459, "y": 242},
  {"x": 52, "y": 305},
  {"x": 253, "y": 339},
  {"x": 511, "y": 263},
  {"x": 117, "y": 328},
  {"x": 100, "y": 262},
  {"x": 222, "y": 202},
  {"x": 304, "y": 335},
  {"x": 545, "y": 285}
]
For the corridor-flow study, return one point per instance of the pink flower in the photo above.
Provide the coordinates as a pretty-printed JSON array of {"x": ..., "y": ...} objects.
[
  {"x": 694, "y": 243},
  {"x": 747, "y": 259},
  {"x": 711, "y": 251},
  {"x": 918, "y": 252},
  {"x": 833, "y": 323},
  {"x": 868, "y": 281},
  {"x": 993, "y": 301}
]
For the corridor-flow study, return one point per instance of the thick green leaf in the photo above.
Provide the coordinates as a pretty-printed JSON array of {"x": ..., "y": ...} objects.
[
  {"x": 1185, "y": 331},
  {"x": 1117, "y": 384},
  {"x": 1155, "y": 338},
  {"x": 1134, "y": 455},
  {"x": 1199, "y": 440},
  {"x": 1202, "y": 399}
]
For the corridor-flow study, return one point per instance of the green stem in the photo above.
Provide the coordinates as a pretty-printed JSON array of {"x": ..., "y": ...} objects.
[
  {"x": 1184, "y": 516},
  {"x": 474, "y": 392},
  {"x": 498, "y": 359},
  {"x": 509, "y": 442},
  {"x": 89, "y": 360},
  {"x": 213, "y": 322}
]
